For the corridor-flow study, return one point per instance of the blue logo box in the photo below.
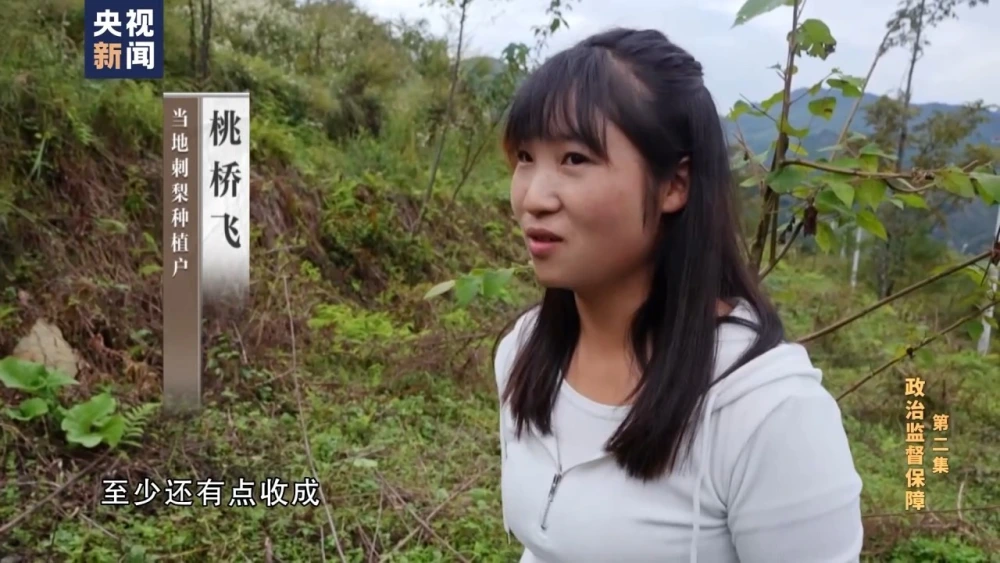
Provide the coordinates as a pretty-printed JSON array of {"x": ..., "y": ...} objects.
[{"x": 123, "y": 39}]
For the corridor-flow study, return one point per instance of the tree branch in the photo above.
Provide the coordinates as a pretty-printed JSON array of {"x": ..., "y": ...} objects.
[
  {"x": 771, "y": 198},
  {"x": 848, "y": 320},
  {"x": 757, "y": 107},
  {"x": 6, "y": 527},
  {"x": 864, "y": 86},
  {"x": 849, "y": 171},
  {"x": 910, "y": 350},
  {"x": 471, "y": 161},
  {"x": 449, "y": 108},
  {"x": 907, "y": 96},
  {"x": 891, "y": 178},
  {"x": 795, "y": 234},
  {"x": 398, "y": 497},
  {"x": 300, "y": 404}
]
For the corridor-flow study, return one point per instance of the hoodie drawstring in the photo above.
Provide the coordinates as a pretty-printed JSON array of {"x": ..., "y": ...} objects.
[{"x": 703, "y": 463}]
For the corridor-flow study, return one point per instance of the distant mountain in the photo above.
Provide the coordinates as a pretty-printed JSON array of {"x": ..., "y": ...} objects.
[
  {"x": 759, "y": 131},
  {"x": 970, "y": 226}
]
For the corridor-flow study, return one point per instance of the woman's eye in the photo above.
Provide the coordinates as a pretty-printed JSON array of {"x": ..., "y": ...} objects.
[
  {"x": 575, "y": 158},
  {"x": 523, "y": 156}
]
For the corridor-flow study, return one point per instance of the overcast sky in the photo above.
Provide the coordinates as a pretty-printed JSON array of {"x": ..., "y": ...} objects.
[{"x": 962, "y": 64}]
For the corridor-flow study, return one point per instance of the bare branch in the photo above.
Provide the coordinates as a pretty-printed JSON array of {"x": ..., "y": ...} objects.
[
  {"x": 300, "y": 404},
  {"x": 394, "y": 493},
  {"x": 449, "y": 108},
  {"x": 774, "y": 262},
  {"x": 910, "y": 350},
  {"x": 757, "y": 107},
  {"x": 848, "y": 320},
  {"x": 864, "y": 86},
  {"x": 893, "y": 179},
  {"x": 58, "y": 490},
  {"x": 461, "y": 489}
]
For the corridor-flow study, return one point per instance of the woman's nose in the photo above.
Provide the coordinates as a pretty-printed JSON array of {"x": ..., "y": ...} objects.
[{"x": 541, "y": 193}]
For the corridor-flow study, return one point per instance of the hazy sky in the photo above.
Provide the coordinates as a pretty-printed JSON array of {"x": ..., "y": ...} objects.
[{"x": 962, "y": 64}]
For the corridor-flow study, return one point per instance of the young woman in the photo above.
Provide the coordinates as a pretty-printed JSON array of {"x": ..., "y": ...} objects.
[{"x": 651, "y": 409}]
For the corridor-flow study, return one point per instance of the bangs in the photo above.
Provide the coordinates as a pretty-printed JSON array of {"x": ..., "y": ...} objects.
[{"x": 569, "y": 98}]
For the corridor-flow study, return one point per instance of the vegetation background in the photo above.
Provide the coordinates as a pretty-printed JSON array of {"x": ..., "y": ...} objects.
[{"x": 385, "y": 262}]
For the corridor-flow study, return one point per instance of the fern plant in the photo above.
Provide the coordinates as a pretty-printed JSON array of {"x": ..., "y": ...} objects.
[{"x": 137, "y": 418}]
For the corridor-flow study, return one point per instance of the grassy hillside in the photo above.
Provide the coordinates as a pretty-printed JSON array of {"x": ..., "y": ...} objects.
[{"x": 394, "y": 393}]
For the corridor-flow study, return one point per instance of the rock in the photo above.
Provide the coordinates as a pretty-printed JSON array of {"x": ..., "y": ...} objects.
[{"x": 45, "y": 345}]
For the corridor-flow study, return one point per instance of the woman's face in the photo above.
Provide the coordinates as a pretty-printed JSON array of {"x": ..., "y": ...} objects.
[{"x": 583, "y": 217}]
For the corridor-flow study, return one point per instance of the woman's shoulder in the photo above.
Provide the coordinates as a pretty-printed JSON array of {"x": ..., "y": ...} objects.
[{"x": 510, "y": 343}]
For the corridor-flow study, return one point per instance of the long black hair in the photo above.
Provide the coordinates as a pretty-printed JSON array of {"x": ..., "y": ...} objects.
[{"x": 653, "y": 91}]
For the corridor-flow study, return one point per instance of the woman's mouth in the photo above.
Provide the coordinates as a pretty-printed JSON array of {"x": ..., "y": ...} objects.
[{"x": 541, "y": 242}]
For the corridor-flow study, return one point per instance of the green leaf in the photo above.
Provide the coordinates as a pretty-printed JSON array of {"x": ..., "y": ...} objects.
[
  {"x": 495, "y": 280},
  {"x": 974, "y": 329},
  {"x": 775, "y": 98},
  {"x": 786, "y": 178},
  {"x": 872, "y": 149},
  {"x": 33, "y": 407},
  {"x": 823, "y": 107},
  {"x": 847, "y": 163},
  {"x": 83, "y": 423},
  {"x": 847, "y": 87},
  {"x": 29, "y": 409},
  {"x": 989, "y": 184},
  {"x": 439, "y": 289},
  {"x": 869, "y": 163},
  {"x": 802, "y": 192},
  {"x": 791, "y": 131},
  {"x": 85, "y": 439},
  {"x": 870, "y": 192},
  {"x": 136, "y": 554},
  {"x": 828, "y": 202},
  {"x": 22, "y": 374},
  {"x": 844, "y": 191},
  {"x": 739, "y": 108},
  {"x": 896, "y": 202},
  {"x": 753, "y": 8},
  {"x": 824, "y": 236},
  {"x": 957, "y": 182},
  {"x": 855, "y": 136},
  {"x": 112, "y": 430},
  {"x": 798, "y": 149},
  {"x": 973, "y": 272},
  {"x": 55, "y": 379},
  {"x": 869, "y": 222},
  {"x": 467, "y": 288},
  {"x": 814, "y": 38}
]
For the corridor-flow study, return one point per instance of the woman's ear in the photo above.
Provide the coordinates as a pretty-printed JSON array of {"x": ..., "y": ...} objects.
[{"x": 674, "y": 192}]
